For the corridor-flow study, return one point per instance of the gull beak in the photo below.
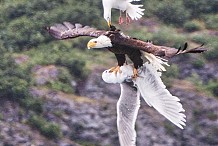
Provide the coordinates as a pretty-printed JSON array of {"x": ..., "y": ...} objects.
[
  {"x": 109, "y": 23},
  {"x": 91, "y": 44}
]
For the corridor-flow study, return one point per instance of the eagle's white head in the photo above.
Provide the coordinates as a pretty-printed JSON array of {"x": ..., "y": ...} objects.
[{"x": 100, "y": 42}]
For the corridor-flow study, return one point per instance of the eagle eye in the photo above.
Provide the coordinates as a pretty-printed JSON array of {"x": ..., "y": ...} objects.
[{"x": 95, "y": 41}]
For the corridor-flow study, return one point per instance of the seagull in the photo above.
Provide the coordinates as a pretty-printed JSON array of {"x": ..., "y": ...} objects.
[
  {"x": 134, "y": 12},
  {"x": 151, "y": 88}
]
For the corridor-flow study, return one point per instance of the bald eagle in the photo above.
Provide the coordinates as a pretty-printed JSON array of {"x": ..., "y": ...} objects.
[
  {"x": 154, "y": 93},
  {"x": 118, "y": 43},
  {"x": 132, "y": 11}
]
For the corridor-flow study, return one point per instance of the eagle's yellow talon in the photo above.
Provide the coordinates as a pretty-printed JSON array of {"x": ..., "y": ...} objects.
[
  {"x": 115, "y": 69},
  {"x": 135, "y": 73}
]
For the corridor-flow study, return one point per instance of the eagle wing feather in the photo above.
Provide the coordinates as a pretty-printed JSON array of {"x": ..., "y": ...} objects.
[
  {"x": 149, "y": 47},
  {"x": 67, "y": 31}
]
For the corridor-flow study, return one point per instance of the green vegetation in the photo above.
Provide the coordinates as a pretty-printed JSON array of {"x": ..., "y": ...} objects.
[
  {"x": 212, "y": 54},
  {"x": 170, "y": 129},
  {"x": 198, "y": 63},
  {"x": 210, "y": 88},
  {"x": 193, "y": 25},
  {"x": 14, "y": 81},
  {"x": 1, "y": 116},
  {"x": 212, "y": 116},
  {"x": 46, "y": 128},
  {"x": 84, "y": 143},
  {"x": 169, "y": 10},
  {"x": 78, "y": 128},
  {"x": 211, "y": 21},
  {"x": 62, "y": 82},
  {"x": 180, "y": 11},
  {"x": 22, "y": 32},
  {"x": 171, "y": 73},
  {"x": 32, "y": 104},
  {"x": 168, "y": 35}
]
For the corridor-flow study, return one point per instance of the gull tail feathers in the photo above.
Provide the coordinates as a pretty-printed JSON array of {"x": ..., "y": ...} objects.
[
  {"x": 134, "y": 11},
  {"x": 156, "y": 61},
  {"x": 154, "y": 92}
]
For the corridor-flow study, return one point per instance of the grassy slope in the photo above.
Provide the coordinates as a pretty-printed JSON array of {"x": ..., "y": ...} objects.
[{"x": 44, "y": 50}]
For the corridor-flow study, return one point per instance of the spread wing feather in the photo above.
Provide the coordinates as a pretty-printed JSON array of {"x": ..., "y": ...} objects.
[
  {"x": 149, "y": 47},
  {"x": 67, "y": 30},
  {"x": 127, "y": 111},
  {"x": 155, "y": 94}
]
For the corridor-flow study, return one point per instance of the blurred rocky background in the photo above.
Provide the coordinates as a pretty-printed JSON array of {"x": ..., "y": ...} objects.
[{"x": 52, "y": 94}]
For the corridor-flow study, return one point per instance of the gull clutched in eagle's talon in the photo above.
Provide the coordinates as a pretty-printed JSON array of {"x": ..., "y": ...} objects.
[
  {"x": 151, "y": 88},
  {"x": 115, "y": 69}
]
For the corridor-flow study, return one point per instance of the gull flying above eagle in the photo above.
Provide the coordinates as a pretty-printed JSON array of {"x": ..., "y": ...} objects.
[
  {"x": 144, "y": 75},
  {"x": 131, "y": 10},
  {"x": 121, "y": 45}
]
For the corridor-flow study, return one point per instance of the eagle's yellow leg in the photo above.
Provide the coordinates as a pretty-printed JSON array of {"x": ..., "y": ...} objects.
[
  {"x": 115, "y": 69},
  {"x": 135, "y": 73}
]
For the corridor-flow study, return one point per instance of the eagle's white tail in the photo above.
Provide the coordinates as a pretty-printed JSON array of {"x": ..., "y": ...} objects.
[
  {"x": 134, "y": 11},
  {"x": 155, "y": 94}
]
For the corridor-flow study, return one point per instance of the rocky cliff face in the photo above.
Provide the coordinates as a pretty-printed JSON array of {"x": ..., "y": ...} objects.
[{"x": 89, "y": 118}]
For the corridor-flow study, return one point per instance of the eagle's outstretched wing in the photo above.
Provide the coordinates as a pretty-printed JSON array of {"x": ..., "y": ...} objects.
[
  {"x": 118, "y": 39},
  {"x": 127, "y": 111},
  {"x": 147, "y": 46},
  {"x": 67, "y": 30}
]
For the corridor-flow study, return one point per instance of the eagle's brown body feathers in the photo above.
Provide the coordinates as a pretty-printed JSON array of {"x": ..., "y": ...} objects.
[{"x": 133, "y": 54}]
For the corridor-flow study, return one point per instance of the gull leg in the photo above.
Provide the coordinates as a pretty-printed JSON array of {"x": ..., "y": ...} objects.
[
  {"x": 127, "y": 19},
  {"x": 121, "y": 18}
]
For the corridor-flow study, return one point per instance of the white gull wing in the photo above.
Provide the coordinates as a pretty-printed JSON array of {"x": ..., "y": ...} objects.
[
  {"x": 155, "y": 94},
  {"x": 127, "y": 111},
  {"x": 134, "y": 11}
]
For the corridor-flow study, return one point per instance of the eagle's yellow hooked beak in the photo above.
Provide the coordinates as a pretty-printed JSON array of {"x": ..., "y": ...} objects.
[{"x": 91, "y": 44}]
